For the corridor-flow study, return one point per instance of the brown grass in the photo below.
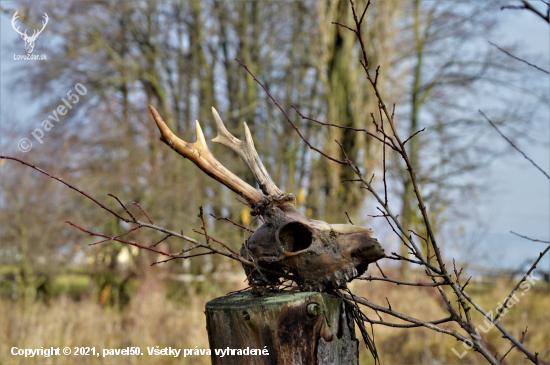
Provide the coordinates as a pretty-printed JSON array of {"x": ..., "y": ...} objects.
[{"x": 151, "y": 319}]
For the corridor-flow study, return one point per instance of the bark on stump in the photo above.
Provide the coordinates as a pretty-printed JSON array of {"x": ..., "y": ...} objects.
[{"x": 294, "y": 327}]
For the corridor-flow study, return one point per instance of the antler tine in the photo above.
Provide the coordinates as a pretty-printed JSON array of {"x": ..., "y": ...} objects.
[
  {"x": 13, "y": 22},
  {"x": 248, "y": 154},
  {"x": 201, "y": 156}
]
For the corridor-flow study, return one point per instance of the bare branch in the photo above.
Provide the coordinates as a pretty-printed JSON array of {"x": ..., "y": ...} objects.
[
  {"x": 414, "y": 134},
  {"x": 110, "y": 239},
  {"x": 287, "y": 117},
  {"x": 527, "y": 238},
  {"x": 499, "y": 311},
  {"x": 513, "y": 145},
  {"x": 404, "y": 317},
  {"x": 183, "y": 257},
  {"x": 119, "y": 202},
  {"x": 234, "y": 223},
  {"x": 521, "y": 341},
  {"x": 502, "y": 330},
  {"x": 519, "y": 59},
  {"x": 165, "y": 237},
  {"x": 401, "y": 325},
  {"x": 143, "y": 211},
  {"x": 219, "y": 242},
  {"x": 371, "y": 278},
  {"x": 343, "y": 127},
  {"x": 69, "y": 185},
  {"x": 349, "y": 219},
  {"x": 380, "y": 269},
  {"x": 344, "y": 26},
  {"x": 122, "y": 241},
  {"x": 417, "y": 235}
]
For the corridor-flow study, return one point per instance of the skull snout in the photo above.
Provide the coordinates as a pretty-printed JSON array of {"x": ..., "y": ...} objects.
[{"x": 361, "y": 246}]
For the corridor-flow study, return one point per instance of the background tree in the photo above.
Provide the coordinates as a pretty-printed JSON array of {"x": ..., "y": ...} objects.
[{"x": 446, "y": 77}]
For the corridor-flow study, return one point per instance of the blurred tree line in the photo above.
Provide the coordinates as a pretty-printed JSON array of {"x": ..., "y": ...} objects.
[{"x": 179, "y": 57}]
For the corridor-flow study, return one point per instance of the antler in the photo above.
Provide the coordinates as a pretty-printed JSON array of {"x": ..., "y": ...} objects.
[
  {"x": 247, "y": 152},
  {"x": 13, "y": 19},
  {"x": 201, "y": 156},
  {"x": 35, "y": 32}
]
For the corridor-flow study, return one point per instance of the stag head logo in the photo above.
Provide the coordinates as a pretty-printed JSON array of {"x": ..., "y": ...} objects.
[{"x": 29, "y": 40}]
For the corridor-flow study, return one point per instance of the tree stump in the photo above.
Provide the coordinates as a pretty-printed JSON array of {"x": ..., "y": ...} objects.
[{"x": 292, "y": 327}]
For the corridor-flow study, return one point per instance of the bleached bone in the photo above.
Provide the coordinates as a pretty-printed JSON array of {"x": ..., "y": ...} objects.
[
  {"x": 247, "y": 152},
  {"x": 201, "y": 156}
]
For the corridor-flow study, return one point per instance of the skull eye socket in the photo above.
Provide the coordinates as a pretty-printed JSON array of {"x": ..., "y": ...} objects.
[{"x": 294, "y": 237}]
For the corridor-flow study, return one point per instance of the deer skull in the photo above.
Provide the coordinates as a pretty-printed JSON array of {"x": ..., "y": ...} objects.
[{"x": 317, "y": 255}]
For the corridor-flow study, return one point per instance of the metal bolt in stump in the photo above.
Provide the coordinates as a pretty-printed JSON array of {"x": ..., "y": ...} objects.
[{"x": 294, "y": 327}]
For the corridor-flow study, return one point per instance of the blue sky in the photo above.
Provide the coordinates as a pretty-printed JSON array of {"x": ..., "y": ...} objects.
[{"x": 521, "y": 198}]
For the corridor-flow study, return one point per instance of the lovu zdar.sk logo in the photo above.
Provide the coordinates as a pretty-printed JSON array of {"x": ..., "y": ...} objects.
[{"x": 29, "y": 40}]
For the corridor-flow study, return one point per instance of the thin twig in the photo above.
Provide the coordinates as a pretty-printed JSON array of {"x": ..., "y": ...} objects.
[
  {"x": 404, "y": 317},
  {"x": 201, "y": 216},
  {"x": 383, "y": 155},
  {"x": 234, "y": 223},
  {"x": 414, "y": 134},
  {"x": 143, "y": 211},
  {"x": 165, "y": 237},
  {"x": 457, "y": 273},
  {"x": 120, "y": 235},
  {"x": 519, "y": 59},
  {"x": 196, "y": 244},
  {"x": 501, "y": 309},
  {"x": 400, "y": 325},
  {"x": 513, "y": 145},
  {"x": 119, "y": 240},
  {"x": 343, "y": 127},
  {"x": 371, "y": 278},
  {"x": 243, "y": 202},
  {"x": 416, "y": 234},
  {"x": 530, "y": 7},
  {"x": 380, "y": 269},
  {"x": 69, "y": 185},
  {"x": 467, "y": 282},
  {"x": 527, "y": 238},
  {"x": 349, "y": 220},
  {"x": 507, "y": 335},
  {"x": 521, "y": 341},
  {"x": 239, "y": 291},
  {"x": 219, "y": 242},
  {"x": 379, "y": 130},
  {"x": 123, "y": 206},
  {"x": 287, "y": 117},
  {"x": 398, "y": 257},
  {"x": 183, "y": 257},
  {"x": 393, "y": 229}
]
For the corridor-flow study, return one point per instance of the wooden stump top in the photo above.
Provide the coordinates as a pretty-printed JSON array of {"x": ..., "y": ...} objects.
[{"x": 293, "y": 327}]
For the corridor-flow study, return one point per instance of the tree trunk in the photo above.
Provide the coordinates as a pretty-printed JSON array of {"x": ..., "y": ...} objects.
[{"x": 292, "y": 327}]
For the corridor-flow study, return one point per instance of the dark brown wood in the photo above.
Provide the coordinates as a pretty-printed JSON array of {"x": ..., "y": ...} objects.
[{"x": 284, "y": 328}]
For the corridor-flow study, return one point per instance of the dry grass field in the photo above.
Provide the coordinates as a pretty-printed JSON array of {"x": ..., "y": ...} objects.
[{"x": 152, "y": 319}]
